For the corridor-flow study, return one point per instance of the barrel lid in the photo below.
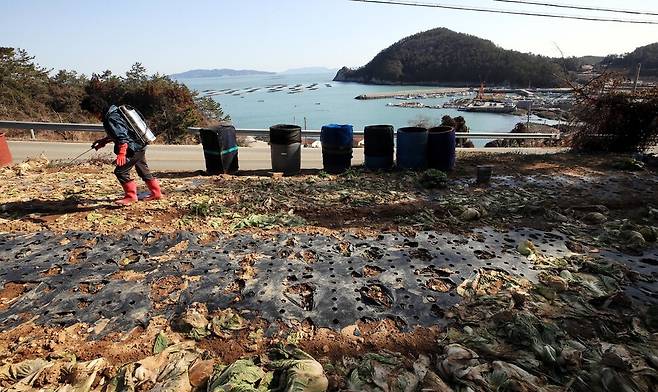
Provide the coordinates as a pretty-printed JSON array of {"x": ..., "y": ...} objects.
[
  {"x": 413, "y": 129},
  {"x": 441, "y": 129}
]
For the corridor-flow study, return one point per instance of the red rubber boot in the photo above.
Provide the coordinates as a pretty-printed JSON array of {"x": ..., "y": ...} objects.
[
  {"x": 154, "y": 187},
  {"x": 130, "y": 190}
]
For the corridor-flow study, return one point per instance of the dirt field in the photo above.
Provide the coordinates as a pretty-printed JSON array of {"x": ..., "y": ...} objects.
[{"x": 543, "y": 280}]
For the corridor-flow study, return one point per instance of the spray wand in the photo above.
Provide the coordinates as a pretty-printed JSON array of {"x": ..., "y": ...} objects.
[{"x": 76, "y": 158}]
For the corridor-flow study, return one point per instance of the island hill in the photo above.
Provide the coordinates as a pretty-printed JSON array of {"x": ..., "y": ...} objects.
[{"x": 444, "y": 57}]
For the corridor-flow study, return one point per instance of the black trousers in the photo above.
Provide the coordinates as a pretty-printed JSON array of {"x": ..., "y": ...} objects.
[{"x": 138, "y": 160}]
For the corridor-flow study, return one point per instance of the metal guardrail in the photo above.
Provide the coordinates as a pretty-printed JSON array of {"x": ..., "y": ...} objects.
[
  {"x": 44, "y": 126},
  {"x": 36, "y": 126}
]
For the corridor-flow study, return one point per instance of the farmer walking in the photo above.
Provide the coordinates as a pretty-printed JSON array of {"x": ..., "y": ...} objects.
[{"x": 129, "y": 149}]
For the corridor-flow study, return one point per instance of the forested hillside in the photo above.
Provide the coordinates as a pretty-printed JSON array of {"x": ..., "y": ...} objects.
[
  {"x": 645, "y": 55},
  {"x": 446, "y": 57},
  {"x": 33, "y": 93}
]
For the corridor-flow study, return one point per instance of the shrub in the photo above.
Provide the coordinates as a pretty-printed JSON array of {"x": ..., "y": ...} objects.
[
  {"x": 28, "y": 92},
  {"x": 169, "y": 106},
  {"x": 607, "y": 118},
  {"x": 433, "y": 179}
]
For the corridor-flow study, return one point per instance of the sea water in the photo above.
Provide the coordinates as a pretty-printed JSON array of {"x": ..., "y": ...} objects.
[{"x": 335, "y": 104}]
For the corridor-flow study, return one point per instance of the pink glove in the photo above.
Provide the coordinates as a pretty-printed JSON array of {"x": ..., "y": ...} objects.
[{"x": 121, "y": 156}]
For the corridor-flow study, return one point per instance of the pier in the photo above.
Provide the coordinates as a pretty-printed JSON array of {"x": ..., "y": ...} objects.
[
  {"x": 428, "y": 92},
  {"x": 447, "y": 91}
]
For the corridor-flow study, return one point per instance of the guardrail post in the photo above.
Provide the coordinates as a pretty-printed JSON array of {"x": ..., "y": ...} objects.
[{"x": 32, "y": 133}]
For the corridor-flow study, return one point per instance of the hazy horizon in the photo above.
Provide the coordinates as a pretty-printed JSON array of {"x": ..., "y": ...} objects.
[
  {"x": 328, "y": 69},
  {"x": 170, "y": 37}
]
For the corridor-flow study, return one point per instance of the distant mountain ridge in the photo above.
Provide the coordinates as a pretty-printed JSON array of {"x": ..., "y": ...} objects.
[{"x": 213, "y": 73}]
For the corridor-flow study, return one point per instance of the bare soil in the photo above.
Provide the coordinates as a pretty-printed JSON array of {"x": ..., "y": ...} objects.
[
  {"x": 45, "y": 197},
  {"x": 12, "y": 290}
]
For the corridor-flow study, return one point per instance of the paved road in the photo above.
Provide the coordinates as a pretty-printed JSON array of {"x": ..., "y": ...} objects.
[
  {"x": 161, "y": 157},
  {"x": 190, "y": 157}
]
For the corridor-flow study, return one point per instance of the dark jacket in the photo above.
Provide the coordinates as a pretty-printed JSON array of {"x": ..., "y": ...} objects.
[{"x": 118, "y": 129}]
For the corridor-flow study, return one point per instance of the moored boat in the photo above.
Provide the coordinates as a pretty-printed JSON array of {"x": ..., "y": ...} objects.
[{"x": 488, "y": 107}]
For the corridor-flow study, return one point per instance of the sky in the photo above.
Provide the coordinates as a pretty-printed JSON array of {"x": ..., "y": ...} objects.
[{"x": 274, "y": 35}]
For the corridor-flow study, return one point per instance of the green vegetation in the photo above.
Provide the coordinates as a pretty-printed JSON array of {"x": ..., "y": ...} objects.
[
  {"x": 29, "y": 92},
  {"x": 433, "y": 179},
  {"x": 646, "y": 55},
  {"x": 444, "y": 56}
]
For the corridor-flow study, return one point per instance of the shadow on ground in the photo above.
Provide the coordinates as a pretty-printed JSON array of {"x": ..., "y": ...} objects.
[
  {"x": 241, "y": 173},
  {"x": 21, "y": 209}
]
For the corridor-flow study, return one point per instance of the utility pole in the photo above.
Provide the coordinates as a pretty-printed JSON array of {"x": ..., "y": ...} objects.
[
  {"x": 637, "y": 77},
  {"x": 527, "y": 125}
]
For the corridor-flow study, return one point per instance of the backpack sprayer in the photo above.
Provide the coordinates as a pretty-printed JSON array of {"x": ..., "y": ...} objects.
[
  {"x": 136, "y": 121},
  {"x": 137, "y": 124}
]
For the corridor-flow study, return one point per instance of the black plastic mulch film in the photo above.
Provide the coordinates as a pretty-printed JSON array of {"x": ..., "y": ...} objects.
[{"x": 340, "y": 275}]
